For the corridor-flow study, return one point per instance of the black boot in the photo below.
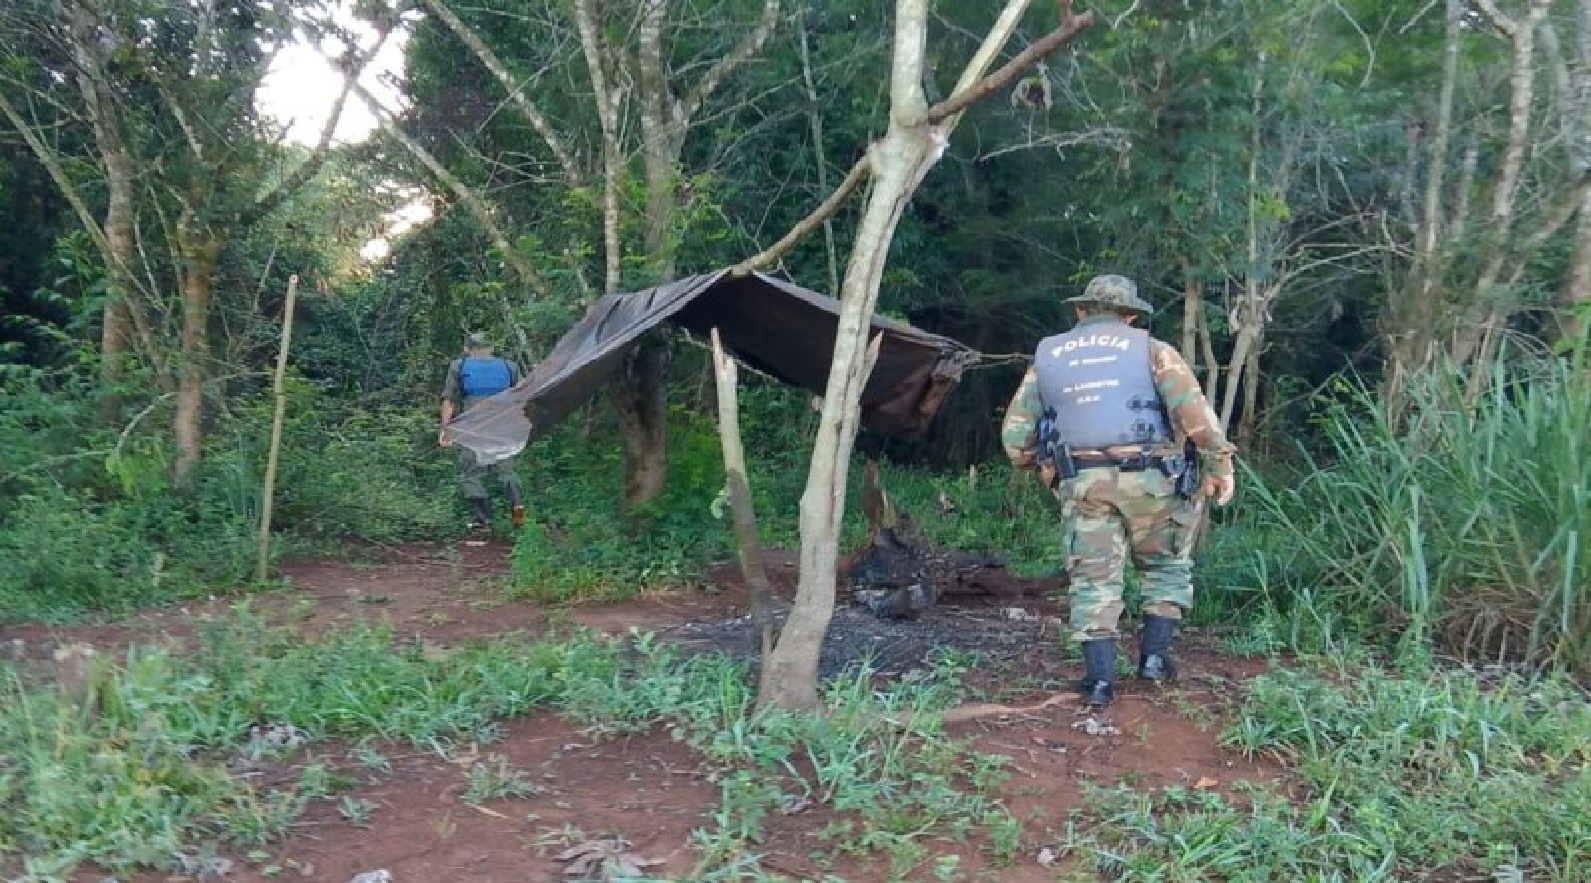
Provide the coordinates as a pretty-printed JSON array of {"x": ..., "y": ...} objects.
[
  {"x": 1154, "y": 653},
  {"x": 1099, "y": 672},
  {"x": 480, "y": 512}
]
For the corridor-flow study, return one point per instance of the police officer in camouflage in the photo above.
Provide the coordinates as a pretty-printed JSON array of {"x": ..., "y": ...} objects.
[
  {"x": 1123, "y": 404},
  {"x": 477, "y": 375}
]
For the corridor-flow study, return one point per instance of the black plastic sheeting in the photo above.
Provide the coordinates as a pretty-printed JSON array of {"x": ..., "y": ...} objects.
[{"x": 768, "y": 324}]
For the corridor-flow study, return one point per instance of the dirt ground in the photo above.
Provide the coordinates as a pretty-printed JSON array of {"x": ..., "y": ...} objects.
[{"x": 653, "y": 791}]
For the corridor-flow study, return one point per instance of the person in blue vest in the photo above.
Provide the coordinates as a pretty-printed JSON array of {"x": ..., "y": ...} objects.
[{"x": 477, "y": 375}]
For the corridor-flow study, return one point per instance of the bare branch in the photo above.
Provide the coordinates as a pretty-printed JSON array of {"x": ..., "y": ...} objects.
[
  {"x": 1499, "y": 20},
  {"x": 57, "y": 172},
  {"x": 806, "y": 225},
  {"x": 516, "y": 92},
  {"x": 468, "y": 197},
  {"x": 1370, "y": 45},
  {"x": 965, "y": 98},
  {"x": 815, "y": 121},
  {"x": 1116, "y": 22},
  {"x": 715, "y": 76},
  {"x": 355, "y": 68},
  {"x": 1117, "y": 137},
  {"x": 994, "y": 41}
]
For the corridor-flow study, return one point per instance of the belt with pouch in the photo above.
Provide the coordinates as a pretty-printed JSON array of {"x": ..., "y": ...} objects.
[{"x": 1135, "y": 463}]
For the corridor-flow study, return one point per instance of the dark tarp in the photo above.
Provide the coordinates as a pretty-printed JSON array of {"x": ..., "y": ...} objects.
[{"x": 773, "y": 326}]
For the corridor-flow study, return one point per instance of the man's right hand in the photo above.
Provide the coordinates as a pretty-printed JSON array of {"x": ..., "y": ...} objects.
[
  {"x": 443, "y": 439},
  {"x": 1221, "y": 488}
]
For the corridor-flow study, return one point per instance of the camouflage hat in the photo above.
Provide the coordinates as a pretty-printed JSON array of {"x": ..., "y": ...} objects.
[
  {"x": 477, "y": 341},
  {"x": 1114, "y": 292}
]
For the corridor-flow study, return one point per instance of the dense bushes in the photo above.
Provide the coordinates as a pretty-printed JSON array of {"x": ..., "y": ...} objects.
[
  {"x": 89, "y": 521},
  {"x": 580, "y": 541}
]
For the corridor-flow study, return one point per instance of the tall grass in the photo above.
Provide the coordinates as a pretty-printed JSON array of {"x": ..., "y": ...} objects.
[{"x": 1467, "y": 524}]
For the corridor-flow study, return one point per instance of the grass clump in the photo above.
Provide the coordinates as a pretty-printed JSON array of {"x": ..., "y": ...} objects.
[
  {"x": 1467, "y": 522},
  {"x": 1422, "y": 776}
]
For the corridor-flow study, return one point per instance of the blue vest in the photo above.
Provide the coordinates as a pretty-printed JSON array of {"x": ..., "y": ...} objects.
[
  {"x": 482, "y": 377},
  {"x": 1099, "y": 380}
]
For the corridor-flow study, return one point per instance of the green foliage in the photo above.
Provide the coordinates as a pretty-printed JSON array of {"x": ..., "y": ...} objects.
[
  {"x": 1431, "y": 776},
  {"x": 90, "y": 523},
  {"x": 1467, "y": 525},
  {"x": 582, "y": 541}
]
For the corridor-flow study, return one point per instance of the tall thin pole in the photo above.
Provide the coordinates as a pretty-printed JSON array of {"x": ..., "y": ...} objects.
[{"x": 268, "y": 493}]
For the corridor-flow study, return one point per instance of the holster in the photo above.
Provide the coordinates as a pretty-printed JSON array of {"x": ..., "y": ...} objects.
[
  {"x": 1053, "y": 452},
  {"x": 1184, "y": 470}
]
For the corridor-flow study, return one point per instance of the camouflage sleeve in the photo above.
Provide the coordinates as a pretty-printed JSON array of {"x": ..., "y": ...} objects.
[
  {"x": 1191, "y": 414},
  {"x": 514, "y": 374},
  {"x": 450, "y": 384},
  {"x": 1019, "y": 433}
]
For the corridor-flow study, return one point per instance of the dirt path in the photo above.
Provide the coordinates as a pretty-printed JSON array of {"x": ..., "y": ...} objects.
[{"x": 652, "y": 790}]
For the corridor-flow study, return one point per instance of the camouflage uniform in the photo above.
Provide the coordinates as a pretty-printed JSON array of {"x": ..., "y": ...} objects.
[
  {"x": 472, "y": 474},
  {"x": 1111, "y": 514}
]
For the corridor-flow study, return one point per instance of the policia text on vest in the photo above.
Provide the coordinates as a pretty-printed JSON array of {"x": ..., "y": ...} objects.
[{"x": 1099, "y": 392}]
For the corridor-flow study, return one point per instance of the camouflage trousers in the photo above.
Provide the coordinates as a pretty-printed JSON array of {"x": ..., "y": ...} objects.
[
  {"x": 1112, "y": 516},
  {"x": 472, "y": 476}
]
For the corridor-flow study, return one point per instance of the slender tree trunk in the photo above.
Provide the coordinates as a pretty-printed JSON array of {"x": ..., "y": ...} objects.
[
  {"x": 759, "y": 591},
  {"x": 815, "y": 122},
  {"x": 1574, "y": 297},
  {"x": 116, "y": 330},
  {"x": 1406, "y": 325},
  {"x": 916, "y": 138},
  {"x": 899, "y": 162},
  {"x": 613, "y": 174},
  {"x": 1487, "y": 318},
  {"x": 200, "y": 252},
  {"x": 1251, "y": 397}
]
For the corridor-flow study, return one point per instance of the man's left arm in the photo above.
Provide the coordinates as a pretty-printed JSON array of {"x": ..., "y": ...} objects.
[
  {"x": 1192, "y": 417},
  {"x": 1019, "y": 431},
  {"x": 450, "y": 395}
]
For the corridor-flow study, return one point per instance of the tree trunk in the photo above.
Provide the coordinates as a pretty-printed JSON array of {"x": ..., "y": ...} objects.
[
  {"x": 899, "y": 162},
  {"x": 1488, "y": 313},
  {"x": 815, "y": 122},
  {"x": 740, "y": 503},
  {"x": 916, "y": 138},
  {"x": 639, "y": 398},
  {"x": 1251, "y": 398},
  {"x": 1406, "y": 324},
  {"x": 1574, "y": 298},
  {"x": 120, "y": 242},
  {"x": 200, "y": 256}
]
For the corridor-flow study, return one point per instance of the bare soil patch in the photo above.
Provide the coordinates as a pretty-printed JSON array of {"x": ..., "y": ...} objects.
[{"x": 653, "y": 791}]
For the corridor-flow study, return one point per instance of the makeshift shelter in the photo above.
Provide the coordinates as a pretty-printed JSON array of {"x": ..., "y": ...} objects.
[{"x": 771, "y": 325}]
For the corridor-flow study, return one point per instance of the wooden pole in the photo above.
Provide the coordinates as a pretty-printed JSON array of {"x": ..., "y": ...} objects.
[
  {"x": 740, "y": 505},
  {"x": 268, "y": 492}
]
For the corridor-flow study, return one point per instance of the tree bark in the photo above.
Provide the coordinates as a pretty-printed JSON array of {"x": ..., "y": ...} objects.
[
  {"x": 1574, "y": 297},
  {"x": 815, "y": 123},
  {"x": 612, "y": 159},
  {"x": 899, "y": 161},
  {"x": 908, "y": 150},
  {"x": 744, "y": 513},
  {"x": 516, "y": 91},
  {"x": 200, "y": 253},
  {"x": 1486, "y": 321},
  {"x": 1406, "y": 326}
]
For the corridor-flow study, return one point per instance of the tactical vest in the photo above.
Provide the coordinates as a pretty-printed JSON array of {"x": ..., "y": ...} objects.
[
  {"x": 482, "y": 377},
  {"x": 1099, "y": 380}
]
